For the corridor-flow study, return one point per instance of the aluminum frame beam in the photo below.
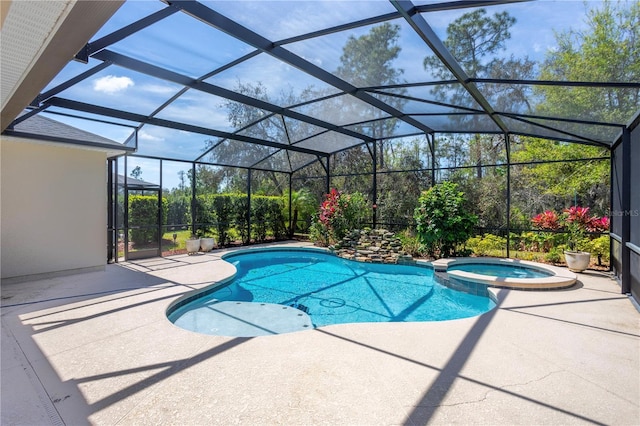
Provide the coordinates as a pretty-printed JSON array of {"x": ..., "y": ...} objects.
[
  {"x": 140, "y": 118},
  {"x": 221, "y": 22},
  {"x": 197, "y": 84},
  {"x": 426, "y": 33},
  {"x": 123, "y": 33},
  {"x": 464, "y": 4}
]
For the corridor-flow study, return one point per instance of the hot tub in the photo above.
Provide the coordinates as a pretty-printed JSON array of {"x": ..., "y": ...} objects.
[{"x": 505, "y": 273}]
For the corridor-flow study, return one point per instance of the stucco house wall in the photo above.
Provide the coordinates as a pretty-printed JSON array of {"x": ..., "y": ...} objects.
[{"x": 52, "y": 210}]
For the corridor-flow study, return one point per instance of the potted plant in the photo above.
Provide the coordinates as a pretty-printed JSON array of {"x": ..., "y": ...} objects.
[
  {"x": 577, "y": 222},
  {"x": 207, "y": 243},
  {"x": 577, "y": 259},
  {"x": 193, "y": 244}
]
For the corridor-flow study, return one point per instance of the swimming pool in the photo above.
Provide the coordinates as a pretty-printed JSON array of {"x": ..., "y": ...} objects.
[{"x": 326, "y": 289}]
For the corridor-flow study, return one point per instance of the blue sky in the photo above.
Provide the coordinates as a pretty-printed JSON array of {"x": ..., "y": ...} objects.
[{"x": 176, "y": 43}]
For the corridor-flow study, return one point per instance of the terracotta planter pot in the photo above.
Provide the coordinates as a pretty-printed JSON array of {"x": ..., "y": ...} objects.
[{"x": 577, "y": 261}]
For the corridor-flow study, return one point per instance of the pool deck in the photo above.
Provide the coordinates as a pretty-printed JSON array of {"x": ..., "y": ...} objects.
[{"x": 96, "y": 348}]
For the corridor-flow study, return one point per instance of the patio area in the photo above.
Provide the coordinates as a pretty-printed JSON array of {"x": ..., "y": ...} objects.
[{"x": 97, "y": 348}]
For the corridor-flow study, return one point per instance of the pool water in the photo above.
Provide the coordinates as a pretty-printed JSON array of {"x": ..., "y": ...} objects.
[
  {"x": 332, "y": 290},
  {"x": 501, "y": 271}
]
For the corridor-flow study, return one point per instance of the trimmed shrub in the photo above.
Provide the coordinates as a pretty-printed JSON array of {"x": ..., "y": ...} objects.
[
  {"x": 554, "y": 255},
  {"x": 239, "y": 207},
  {"x": 205, "y": 215},
  {"x": 259, "y": 212},
  {"x": 275, "y": 217},
  {"x": 178, "y": 211},
  {"x": 223, "y": 209},
  {"x": 267, "y": 218},
  {"x": 600, "y": 247},
  {"x": 143, "y": 213}
]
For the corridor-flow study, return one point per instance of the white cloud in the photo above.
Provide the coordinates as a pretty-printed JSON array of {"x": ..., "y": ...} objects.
[
  {"x": 146, "y": 136},
  {"x": 159, "y": 89},
  {"x": 198, "y": 109},
  {"x": 111, "y": 84}
]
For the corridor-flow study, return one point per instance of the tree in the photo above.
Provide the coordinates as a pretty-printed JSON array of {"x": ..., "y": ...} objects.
[
  {"x": 398, "y": 192},
  {"x": 475, "y": 40},
  {"x": 556, "y": 184},
  {"x": 136, "y": 172},
  {"x": 607, "y": 51},
  {"x": 260, "y": 124},
  {"x": 303, "y": 203},
  {"x": 470, "y": 39},
  {"x": 181, "y": 175},
  {"x": 368, "y": 61},
  {"x": 352, "y": 170}
]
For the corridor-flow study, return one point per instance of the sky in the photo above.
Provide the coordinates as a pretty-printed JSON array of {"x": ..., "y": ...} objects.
[{"x": 192, "y": 48}]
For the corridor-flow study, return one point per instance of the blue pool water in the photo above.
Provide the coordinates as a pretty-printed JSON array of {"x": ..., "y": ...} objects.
[
  {"x": 499, "y": 270},
  {"x": 332, "y": 290}
]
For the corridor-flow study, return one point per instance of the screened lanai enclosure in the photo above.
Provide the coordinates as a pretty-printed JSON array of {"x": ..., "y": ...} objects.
[{"x": 241, "y": 115}]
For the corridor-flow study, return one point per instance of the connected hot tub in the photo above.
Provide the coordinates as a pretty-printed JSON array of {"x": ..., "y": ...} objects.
[{"x": 505, "y": 273}]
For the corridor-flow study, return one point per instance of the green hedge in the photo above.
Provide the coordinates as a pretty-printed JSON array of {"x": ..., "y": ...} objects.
[
  {"x": 205, "y": 216},
  {"x": 179, "y": 211},
  {"x": 267, "y": 218},
  {"x": 226, "y": 215},
  {"x": 143, "y": 213},
  {"x": 223, "y": 210}
]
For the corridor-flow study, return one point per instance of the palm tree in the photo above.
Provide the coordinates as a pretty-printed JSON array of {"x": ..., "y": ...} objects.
[{"x": 302, "y": 203}]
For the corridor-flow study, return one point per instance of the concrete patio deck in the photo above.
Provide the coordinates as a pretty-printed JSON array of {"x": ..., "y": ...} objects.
[{"x": 97, "y": 348}]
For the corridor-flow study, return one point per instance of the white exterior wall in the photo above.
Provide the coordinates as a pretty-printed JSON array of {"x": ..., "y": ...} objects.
[{"x": 53, "y": 208}]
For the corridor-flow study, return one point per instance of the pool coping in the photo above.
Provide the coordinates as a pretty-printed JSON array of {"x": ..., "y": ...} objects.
[{"x": 560, "y": 279}]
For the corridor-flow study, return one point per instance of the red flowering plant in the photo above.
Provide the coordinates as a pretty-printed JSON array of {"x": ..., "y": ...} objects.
[
  {"x": 576, "y": 221},
  {"x": 548, "y": 221},
  {"x": 330, "y": 207},
  {"x": 338, "y": 214}
]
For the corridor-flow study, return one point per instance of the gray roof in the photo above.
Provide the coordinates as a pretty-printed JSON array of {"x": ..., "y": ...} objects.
[
  {"x": 134, "y": 183},
  {"x": 43, "y": 128}
]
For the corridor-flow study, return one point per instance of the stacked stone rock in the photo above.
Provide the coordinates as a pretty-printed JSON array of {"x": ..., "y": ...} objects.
[{"x": 372, "y": 245}]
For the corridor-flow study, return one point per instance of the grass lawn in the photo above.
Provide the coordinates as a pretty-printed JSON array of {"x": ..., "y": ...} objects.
[{"x": 181, "y": 237}]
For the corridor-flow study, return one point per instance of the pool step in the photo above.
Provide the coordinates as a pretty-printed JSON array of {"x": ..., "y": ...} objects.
[{"x": 300, "y": 306}]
